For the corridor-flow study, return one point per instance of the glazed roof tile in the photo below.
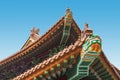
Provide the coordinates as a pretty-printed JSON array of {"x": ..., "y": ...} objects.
[
  {"x": 58, "y": 56},
  {"x": 48, "y": 61}
]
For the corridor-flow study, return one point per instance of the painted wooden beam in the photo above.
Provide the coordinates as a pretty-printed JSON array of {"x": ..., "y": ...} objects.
[
  {"x": 100, "y": 70},
  {"x": 106, "y": 76},
  {"x": 58, "y": 70},
  {"x": 96, "y": 74},
  {"x": 64, "y": 66},
  {"x": 53, "y": 72},
  {"x": 71, "y": 61},
  {"x": 48, "y": 75},
  {"x": 103, "y": 73},
  {"x": 98, "y": 66},
  {"x": 35, "y": 78},
  {"x": 42, "y": 77}
]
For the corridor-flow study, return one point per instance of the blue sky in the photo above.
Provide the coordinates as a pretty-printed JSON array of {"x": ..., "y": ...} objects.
[{"x": 17, "y": 17}]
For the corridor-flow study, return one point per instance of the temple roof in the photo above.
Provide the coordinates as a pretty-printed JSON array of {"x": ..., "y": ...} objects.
[
  {"x": 59, "y": 56},
  {"x": 37, "y": 42},
  {"x": 70, "y": 52}
]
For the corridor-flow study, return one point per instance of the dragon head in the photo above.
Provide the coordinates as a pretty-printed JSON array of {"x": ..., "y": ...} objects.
[
  {"x": 91, "y": 47},
  {"x": 92, "y": 44}
]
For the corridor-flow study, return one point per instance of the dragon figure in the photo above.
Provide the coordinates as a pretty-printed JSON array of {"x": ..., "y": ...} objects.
[{"x": 91, "y": 48}]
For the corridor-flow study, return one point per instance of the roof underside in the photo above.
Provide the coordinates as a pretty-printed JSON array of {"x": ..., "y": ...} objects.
[
  {"x": 100, "y": 69},
  {"x": 23, "y": 60}
]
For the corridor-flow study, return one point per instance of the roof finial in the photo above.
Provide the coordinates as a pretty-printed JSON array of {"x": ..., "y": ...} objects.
[
  {"x": 68, "y": 17},
  {"x": 68, "y": 11},
  {"x": 86, "y": 25},
  {"x": 87, "y": 30},
  {"x": 34, "y": 31}
]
